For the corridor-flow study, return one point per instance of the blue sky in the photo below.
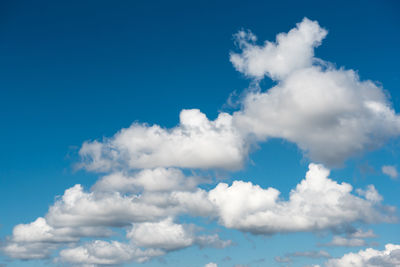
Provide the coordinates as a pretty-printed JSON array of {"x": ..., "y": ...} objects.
[{"x": 72, "y": 73}]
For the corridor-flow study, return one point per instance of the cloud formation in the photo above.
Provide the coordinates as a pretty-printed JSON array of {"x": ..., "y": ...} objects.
[
  {"x": 106, "y": 253},
  {"x": 151, "y": 214},
  {"x": 195, "y": 143},
  {"x": 389, "y": 257},
  {"x": 250, "y": 208},
  {"x": 291, "y": 51},
  {"x": 329, "y": 113}
]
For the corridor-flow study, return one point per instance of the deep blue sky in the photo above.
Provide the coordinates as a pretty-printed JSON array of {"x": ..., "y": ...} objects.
[{"x": 72, "y": 71}]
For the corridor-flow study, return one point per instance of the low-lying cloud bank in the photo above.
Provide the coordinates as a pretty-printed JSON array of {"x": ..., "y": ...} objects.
[{"x": 150, "y": 216}]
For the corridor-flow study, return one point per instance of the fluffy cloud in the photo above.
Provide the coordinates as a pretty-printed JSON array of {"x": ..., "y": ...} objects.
[
  {"x": 149, "y": 180},
  {"x": 292, "y": 51},
  {"x": 106, "y": 253},
  {"x": 195, "y": 143},
  {"x": 164, "y": 234},
  {"x": 36, "y": 240},
  {"x": 250, "y": 208},
  {"x": 369, "y": 257},
  {"x": 80, "y": 208},
  {"x": 242, "y": 205},
  {"x": 391, "y": 171},
  {"x": 329, "y": 113},
  {"x": 211, "y": 264}
]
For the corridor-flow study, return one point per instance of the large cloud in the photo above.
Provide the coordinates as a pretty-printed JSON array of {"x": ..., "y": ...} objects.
[
  {"x": 316, "y": 203},
  {"x": 329, "y": 113},
  {"x": 195, "y": 143}
]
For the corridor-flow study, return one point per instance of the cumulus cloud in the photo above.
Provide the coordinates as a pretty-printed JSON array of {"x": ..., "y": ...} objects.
[
  {"x": 290, "y": 52},
  {"x": 149, "y": 180},
  {"x": 101, "y": 252},
  {"x": 242, "y": 205},
  {"x": 36, "y": 240},
  {"x": 78, "y": 208},
  {"x": 391, "y": 171},
  {"x": 329, "y": 113},
  {"x": 250, "y": 208},
  {"x": 211, "y": 264},
  {"x": 369, "y": 257},
  {"x": 164, "y": 234},
  {"x": 195, "y": 143}
]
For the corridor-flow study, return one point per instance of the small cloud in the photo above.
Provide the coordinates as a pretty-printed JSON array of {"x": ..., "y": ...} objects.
[{"x": 391, "y": 171}]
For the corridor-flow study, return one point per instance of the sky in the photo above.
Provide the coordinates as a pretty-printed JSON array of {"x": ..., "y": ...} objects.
[{"x": 199, "y": 133}]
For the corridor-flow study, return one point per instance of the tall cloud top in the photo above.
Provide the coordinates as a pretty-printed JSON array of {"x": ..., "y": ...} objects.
[{"x": 291, "y": 51}]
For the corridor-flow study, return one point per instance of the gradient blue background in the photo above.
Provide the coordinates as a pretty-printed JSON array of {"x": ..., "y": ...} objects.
[{"x": 77, "y": 70}]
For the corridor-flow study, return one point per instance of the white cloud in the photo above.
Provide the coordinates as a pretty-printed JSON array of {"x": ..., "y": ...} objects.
[
  {"x": 329, "y": 113},
  {"x": 169, "y": 236},
  {"x": 211, "y": 264},
  {"x": 28, "y": 250},
  {"x": 390, "y": 257},
  {"x": 158, "y": 179},
  {"x": 80, "y": 208},
  {"x": 195, "y": 143},
  {"x": 250, "y": 208},
  {"x": 292, "y": 51},
  {"x": 391, "y": 171},
  {"x": 243, "y": 206},
  {"x": 164, "y": 234},
  {"x": 36, "y": 240},
  {"x": 101, "y": 252}
]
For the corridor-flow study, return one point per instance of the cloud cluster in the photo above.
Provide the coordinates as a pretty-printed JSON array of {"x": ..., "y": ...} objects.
[
  {"x": 329, "y": 113},
  {"x": 249, "y": 207},
  {"x": 149, "y": 213}
]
